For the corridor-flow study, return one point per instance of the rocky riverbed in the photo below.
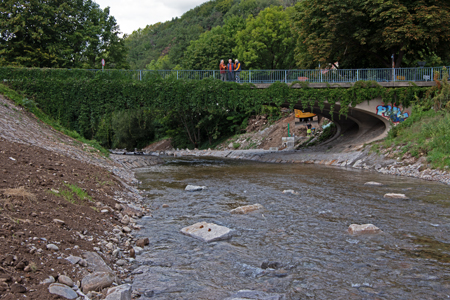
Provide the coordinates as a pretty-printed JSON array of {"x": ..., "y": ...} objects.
[{"x": 357, "y": 158}]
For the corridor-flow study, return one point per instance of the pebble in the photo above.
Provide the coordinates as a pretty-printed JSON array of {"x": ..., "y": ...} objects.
[
  {"x": 373, "y": 183},
  {"x": 65, "y": 280},
  {"x": 246, "y": 209},
  {"x": 125, "y": 220},
  {"x": 50, "y": 279},
  {"x": 126, "y": 229},
  {"x": 291, "y": 192},
  {"x": 97, "y": 281},
  {"x": 62, "y": 290},
  {"x": 142, "y": 242},
  {"x": 73, "y": 259},
  {"x": 52, "y": 247},
  {"x": 121, "y": 262},
  {"x": 121, "y": 292}
]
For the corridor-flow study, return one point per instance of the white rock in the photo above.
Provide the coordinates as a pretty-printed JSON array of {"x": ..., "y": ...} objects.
[
  {"x": 138, "y": 250},
  {"x": 363, "y": 229},
  {"x": 58, "y": 221},
  {"x": 50, "y": 279},
  {"x": 121, "y": 292},
  {"x": 290, "y": 192},
  {"x": 62, "y": 290},
  {"x": 97, "y": 281},
  {"x": 373, "y": 183},
  {"x": 207, "y": 232},
  {"x": 121, "y": 262},
  {"x": 104, "y": 211},
  {"x": 246, "y": 209},
  {"x": 395, "y": 196},
  {"x": 125, "y": 220},
  {"x": 110, "y": 246},
  {"x": 65, "y": 280},
  {"x": 73, "y": 259},
  {"x": 52, "y": 247},
  {"x": 193, "y": 188},
  {"x": 126, "y": 229}
]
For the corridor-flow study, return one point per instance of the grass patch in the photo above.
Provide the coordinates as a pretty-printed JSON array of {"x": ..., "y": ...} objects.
[
  {"x": 425, "y": 133},
  {"x": 72, "y": 193},
  {"x": 31, "y": 106}
]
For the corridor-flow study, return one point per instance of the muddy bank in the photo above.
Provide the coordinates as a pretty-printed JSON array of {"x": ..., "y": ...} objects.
[
  {"x": 360, "y": 159},
  {"x": 66, "y": 212}
]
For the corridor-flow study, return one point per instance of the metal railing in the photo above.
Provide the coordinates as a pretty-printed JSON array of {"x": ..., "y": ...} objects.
[
  {"x": 246, "y": 76},
  {"x": 313, "y": 76}
]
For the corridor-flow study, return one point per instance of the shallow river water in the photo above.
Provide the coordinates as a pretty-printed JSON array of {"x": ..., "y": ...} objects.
[{"x": 303, "y": 237}]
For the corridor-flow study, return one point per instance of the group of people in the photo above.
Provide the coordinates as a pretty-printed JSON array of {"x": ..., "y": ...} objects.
[{"x": 231, "y": 71}]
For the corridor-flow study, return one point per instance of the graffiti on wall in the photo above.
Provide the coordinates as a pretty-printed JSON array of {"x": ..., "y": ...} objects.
[{"x": 393, "y": 113}]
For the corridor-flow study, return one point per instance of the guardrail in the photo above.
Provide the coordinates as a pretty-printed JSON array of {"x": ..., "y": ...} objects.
[
  {"x": 319, "y": 75},
  {"x": 245, "y": 76}
]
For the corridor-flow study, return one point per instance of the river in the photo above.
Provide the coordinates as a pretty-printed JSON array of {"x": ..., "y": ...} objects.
[{"x": 303, "y": 238}]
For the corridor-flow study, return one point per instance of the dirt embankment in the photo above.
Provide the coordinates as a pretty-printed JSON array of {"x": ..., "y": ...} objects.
[{"x": 57, "y": 191}]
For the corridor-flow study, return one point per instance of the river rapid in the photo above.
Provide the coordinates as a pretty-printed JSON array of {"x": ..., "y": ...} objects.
[{"x": 298, "y": 247}]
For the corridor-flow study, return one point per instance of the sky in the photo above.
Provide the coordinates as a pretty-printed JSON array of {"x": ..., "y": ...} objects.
[{"x": 134, "y": 14}]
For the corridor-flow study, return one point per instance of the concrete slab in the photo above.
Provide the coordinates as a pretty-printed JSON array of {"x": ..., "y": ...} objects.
[{"x": 207, "y": 232}]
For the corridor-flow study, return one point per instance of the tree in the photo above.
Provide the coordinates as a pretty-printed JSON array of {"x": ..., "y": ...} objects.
[
  {"x": 206, "y": 52},
  {"x": 368, "y": 33},
  {"x": 267, "y": 41},
  {"x": 57, "y": 33}
]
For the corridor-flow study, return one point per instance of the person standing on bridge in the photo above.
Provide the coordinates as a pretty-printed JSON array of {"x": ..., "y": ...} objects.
[
  {"x": 230, "y": 70},
  {"x": 223, "y": 71},
  {"x": 237, "y": 70}
]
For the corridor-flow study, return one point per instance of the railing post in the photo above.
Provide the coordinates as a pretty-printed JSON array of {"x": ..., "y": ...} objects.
[
  {"x": 432, "y": 74},
  {"x": 285, "y": 76},
  {"x": 177, "y": 74},
  {"x": 320, "y": 75},
  {"x": 140, "y": 75},
  {"x": 214, "y": 74},
  {"x": 250, "y": 76},
  {"x": 357, "y": 75}
]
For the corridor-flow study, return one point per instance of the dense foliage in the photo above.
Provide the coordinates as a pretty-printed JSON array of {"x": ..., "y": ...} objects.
[
  {"x": 168, "y": 41},
  {"x": 195, "y": 113},
  {"x": 368, "y": 33},
  {"x": 59, "y": 34}
]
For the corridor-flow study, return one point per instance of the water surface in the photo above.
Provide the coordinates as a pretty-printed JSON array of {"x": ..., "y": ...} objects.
[{"x": 303, "y": 236}]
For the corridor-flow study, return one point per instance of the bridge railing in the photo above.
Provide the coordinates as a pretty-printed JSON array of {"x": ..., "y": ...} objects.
[{"x": 245, "y": 76}]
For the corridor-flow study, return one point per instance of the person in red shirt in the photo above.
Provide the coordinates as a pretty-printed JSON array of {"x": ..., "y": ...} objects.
[
  {"x": 223, "y": 71},
  {"x": 230, "y": 70}
]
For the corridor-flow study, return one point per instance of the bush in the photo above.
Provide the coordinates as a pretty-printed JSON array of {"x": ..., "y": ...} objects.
[{"x": 132, "y": 129}]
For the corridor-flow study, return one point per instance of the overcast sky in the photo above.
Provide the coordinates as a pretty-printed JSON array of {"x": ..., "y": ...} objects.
[{"x": 134, "y": 14}]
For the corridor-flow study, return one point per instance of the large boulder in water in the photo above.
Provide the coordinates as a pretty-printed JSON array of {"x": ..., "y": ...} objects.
[{"x": 207, "y": 232}]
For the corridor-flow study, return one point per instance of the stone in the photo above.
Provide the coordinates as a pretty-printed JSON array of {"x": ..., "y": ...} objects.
[
  {"x": 290, "y": 192},
  {"x": 62, "y": 290},
  {"x": 132, "y": 253},
  {"x": 193, "y": 188},
  {"x": 363, "y": 229},
  {"x": 126, "y": 229},
  {"x": 95, "y": 262},
  {"x": 246, "y": 209},
  {"x": 73, "y": 259},
  {"x": 207, "y": 232},
  {"x": 65, "y": 280},
  {"x": 121, "y": 262},
  {"x": 142, "y": 242},
  {"x": 97, "y": 281},
  {"x": 373, "y": 183},
  {"x": 110, "y": 246},
  {"x": 138, "y": 250},
  {"x": 50, "y": 279},
  {"x": 52, "y": 247},
  {"x": 270, "y": 265},
  {"x": 18, "y": 288},
  {"x": 125, "y": 220},
  {"x": 121, "y": 292},
  {"x": 104, "y": 211},
  {"x": 83, "y": 263},
  {"x": 395, "y": 196},
  {"x": 165, "y": 206},
  {"x": 118, "y": 206},
  {"x": 256, "y": 295},
  {"x": 59, "y": 222}
]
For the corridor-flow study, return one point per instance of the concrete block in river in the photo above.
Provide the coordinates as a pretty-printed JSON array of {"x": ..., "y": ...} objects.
[
  {"x": 363, "y": 229},
  {"x": 396, "y": 196},
  {"x": 373, "y": 183},
  {"x": 246, "y": 209},
  {"x": 193, "y": 188},
  {"x": 207, "y": 232}
]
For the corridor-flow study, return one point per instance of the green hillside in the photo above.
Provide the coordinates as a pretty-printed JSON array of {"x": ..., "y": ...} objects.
[{"x": 171, "y": 39}]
